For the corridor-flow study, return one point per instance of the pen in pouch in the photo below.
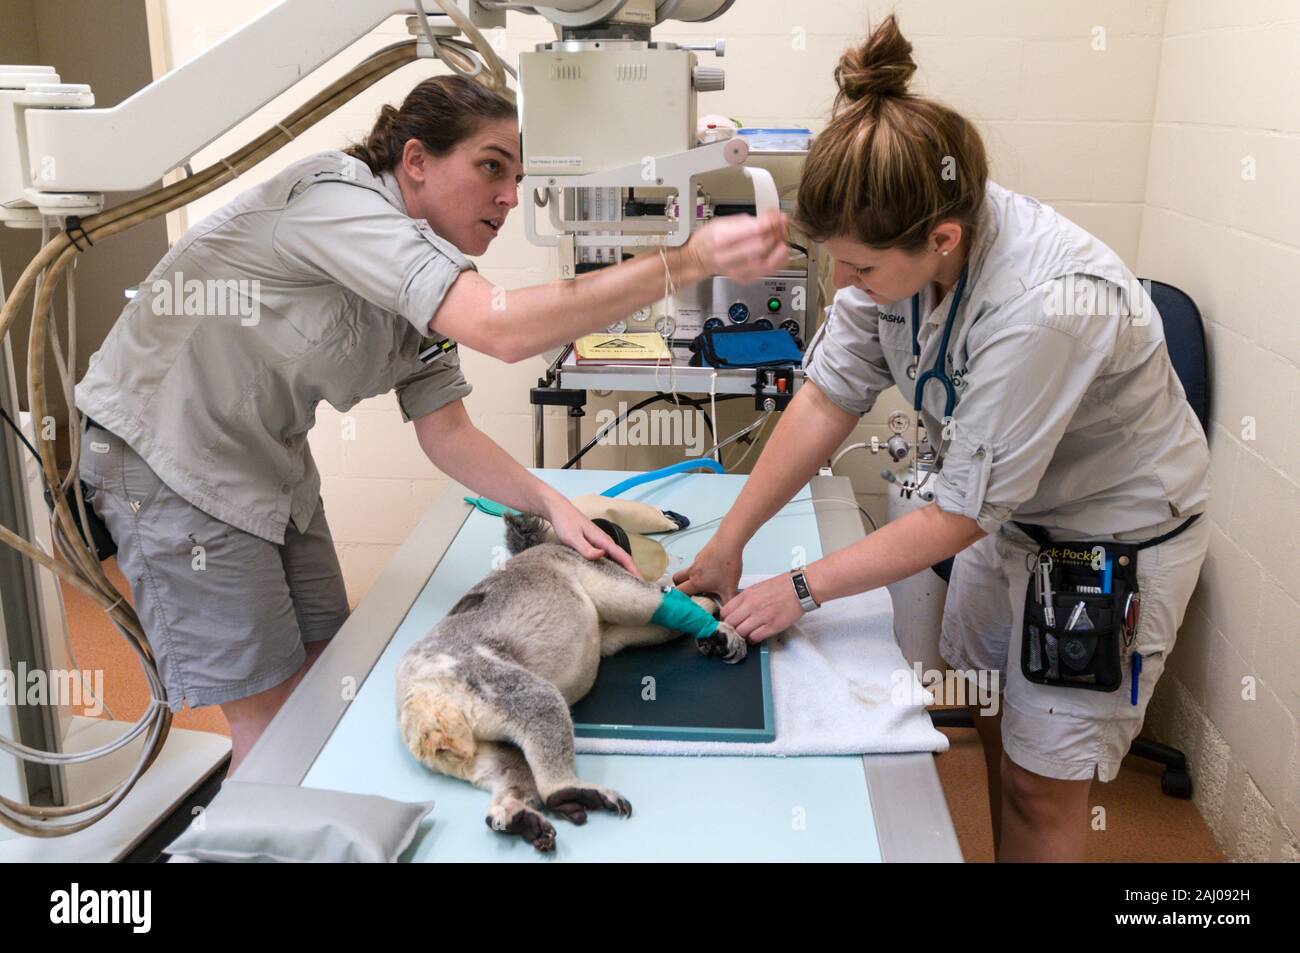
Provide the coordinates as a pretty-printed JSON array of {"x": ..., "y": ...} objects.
[
  {"x": 1045, "y": 594},
  {"x": 1105, "y": 574},
  {"x": 1137, "y": 673}
]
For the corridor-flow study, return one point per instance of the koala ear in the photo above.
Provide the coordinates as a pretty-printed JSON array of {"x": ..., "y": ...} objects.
[{"x": 524, "y": 530}]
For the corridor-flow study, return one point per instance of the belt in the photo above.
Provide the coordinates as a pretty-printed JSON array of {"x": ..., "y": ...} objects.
[{"x": 1039, "y": 535}]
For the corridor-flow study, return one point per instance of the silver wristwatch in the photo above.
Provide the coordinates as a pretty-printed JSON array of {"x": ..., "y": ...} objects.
[{"x": 802, "y": 591}]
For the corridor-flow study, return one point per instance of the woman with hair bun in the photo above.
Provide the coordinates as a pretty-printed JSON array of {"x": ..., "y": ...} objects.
[
  {"x": 1038, "y": 365},
  {"x": 342, "y": 277}
]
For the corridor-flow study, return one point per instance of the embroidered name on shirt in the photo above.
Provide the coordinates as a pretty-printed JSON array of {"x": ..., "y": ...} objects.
[{"x": 892, "y": 318}]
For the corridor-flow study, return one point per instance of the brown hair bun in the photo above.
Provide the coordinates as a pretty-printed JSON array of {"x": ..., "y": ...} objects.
[
  {"x": 881, "y": 67},
  {"x": 890, "y": 165}
]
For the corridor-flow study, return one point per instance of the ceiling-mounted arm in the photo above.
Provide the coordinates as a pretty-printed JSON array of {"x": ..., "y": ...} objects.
[
  {"x": 131, "y": 145},
  {"x": 159, "y": 128}
]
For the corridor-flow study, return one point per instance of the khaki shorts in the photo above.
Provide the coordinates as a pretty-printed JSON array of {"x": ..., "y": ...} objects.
[
  {"x": 1066, "y": 733},
  {"x": 225, "y": 612}
]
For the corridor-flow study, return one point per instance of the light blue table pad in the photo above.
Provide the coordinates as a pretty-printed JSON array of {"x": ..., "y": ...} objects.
[{"x": 686, "y": 809}]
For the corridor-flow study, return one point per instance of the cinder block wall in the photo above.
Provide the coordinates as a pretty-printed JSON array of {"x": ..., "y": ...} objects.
[{"x": 1220, "y": 221}]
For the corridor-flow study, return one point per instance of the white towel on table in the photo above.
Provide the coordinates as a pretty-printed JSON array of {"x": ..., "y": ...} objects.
[{"x": 840, "y": 685}]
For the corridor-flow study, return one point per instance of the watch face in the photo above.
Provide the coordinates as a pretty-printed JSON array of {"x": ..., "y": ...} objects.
[{"x": 801, "y": 587}]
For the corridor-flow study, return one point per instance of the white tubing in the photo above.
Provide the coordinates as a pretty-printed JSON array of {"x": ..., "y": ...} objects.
[{"x": 765, "y": 195}]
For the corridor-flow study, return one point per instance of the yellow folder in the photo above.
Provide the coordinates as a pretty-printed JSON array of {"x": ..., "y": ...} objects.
[{"x": 638, "y": 347}]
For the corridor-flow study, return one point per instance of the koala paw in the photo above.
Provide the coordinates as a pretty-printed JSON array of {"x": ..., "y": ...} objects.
[
  {"x": 512, "y": 816},
  {"x": 726, "y": 643},
  {"x": 573, "y": 802}
]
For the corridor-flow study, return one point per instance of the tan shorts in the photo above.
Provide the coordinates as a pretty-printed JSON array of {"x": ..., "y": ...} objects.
[
  {"x": 226, "y": 613},
  {"x": 1066, "y": 733}
]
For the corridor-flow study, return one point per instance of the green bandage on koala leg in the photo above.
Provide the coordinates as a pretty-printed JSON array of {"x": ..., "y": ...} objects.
[{"x": 680, "y": 613}]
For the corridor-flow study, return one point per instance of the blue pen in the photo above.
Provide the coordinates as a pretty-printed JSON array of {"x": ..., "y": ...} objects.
[
  {"x": 1137, "y": 672},
  {"x": 1105, "y": 575}
]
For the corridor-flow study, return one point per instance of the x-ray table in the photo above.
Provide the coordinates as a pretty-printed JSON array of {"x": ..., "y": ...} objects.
[{"x": 339, "y": 729}]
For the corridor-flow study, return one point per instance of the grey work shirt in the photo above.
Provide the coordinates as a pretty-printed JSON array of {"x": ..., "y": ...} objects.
[
  {"x": 1068, "y": 414},
  {"x": 314, "y": 285}
]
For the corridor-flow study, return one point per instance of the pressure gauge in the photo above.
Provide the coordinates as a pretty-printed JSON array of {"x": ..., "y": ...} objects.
[
  {"x": 898, "y": 422},
  {"x": 618, "y": 327},
  {"x": 666, "y": 326}
]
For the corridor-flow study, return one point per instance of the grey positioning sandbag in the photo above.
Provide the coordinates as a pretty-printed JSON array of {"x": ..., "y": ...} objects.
[{"x": 270, "y": 823}]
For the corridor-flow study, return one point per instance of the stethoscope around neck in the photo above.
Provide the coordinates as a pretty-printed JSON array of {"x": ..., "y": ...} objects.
[{"x": 936, "y": 373}]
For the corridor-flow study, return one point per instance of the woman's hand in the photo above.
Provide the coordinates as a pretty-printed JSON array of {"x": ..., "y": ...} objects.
[
  {"x": 716, "y": 570},
  {"x": 740, "y": 247},
  {"x": 764, "y": 610},
  {"x": 582, "y": 535}
]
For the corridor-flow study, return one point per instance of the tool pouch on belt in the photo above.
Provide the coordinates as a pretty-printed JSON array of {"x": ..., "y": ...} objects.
[
  {"x": 1079, "y": 629},
  {"x": 1075, "y": 638}
]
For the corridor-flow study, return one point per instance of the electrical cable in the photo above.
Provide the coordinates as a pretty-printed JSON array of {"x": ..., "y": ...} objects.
[
  {"x": 762, "y": 427},
  {"x": 74, "y": 561},
  {"x": 675, "y": 399},
  {"x": 709, "y": 524}
]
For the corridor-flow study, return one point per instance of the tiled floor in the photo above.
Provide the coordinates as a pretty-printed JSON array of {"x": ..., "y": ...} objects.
[{"x": 1142, "y": 824}]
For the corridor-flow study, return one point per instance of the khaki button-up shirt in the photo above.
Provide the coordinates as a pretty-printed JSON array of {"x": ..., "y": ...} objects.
[
  {"x": 314, "y": 285},
  {"x": 1068, "y": 411}
]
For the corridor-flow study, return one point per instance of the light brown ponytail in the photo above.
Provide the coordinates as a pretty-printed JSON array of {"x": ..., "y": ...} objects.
[{"x": 890, "y": 165}]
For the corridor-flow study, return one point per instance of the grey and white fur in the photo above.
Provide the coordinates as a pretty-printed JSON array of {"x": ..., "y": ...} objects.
[{"x": 485, "y": 695}]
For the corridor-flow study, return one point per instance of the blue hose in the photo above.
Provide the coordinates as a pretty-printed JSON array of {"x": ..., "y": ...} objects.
[
  {"x": 640, "y": 478},
  {"x": 492, "y": 508}
]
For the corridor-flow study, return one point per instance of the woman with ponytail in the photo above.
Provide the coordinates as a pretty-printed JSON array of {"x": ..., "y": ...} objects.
[
  {"x": 345, "y": 276},
  {"x": 1038, "y": 366}
]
